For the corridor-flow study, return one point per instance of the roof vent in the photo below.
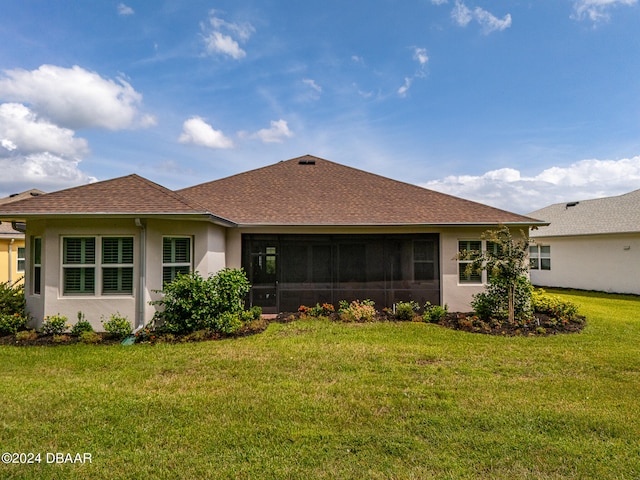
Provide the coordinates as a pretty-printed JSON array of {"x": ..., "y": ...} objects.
[
  {"x": 306, "y": 162},
  {"x": 571, "y": 204}
]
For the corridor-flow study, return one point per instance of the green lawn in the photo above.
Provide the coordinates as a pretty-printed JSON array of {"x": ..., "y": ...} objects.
[{"x": 315, "y": 399}]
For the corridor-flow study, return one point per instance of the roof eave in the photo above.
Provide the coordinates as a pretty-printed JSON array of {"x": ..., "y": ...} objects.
[
  {"x": 96, "y": 215},
  {"x": 394, "y": 225}
]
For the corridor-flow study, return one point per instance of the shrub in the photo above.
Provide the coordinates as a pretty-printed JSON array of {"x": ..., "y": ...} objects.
[
  {"x": 190, "y": 301},
  {"x": 26, "y": 335},
  {"x": 54, "y": 325},
  {"x": 89, "y": 337},
  {"x": 226, "y": 323},
  {"x": 11, "y": 323},
  {"x": 434, "y": 313},
  {"x": 324, "y": 310},
  {"x": 493, "y": 303},
  {"x": 12, "y": 298},
  {"x": 357, "y": 311},
  {"x": 81, "y": 326},
  {"x": 406, "y": 310},
  {"x": 117, "y": 326},
  {"x": 553, "y": 306},
  {"x": 254, "y": 313}
]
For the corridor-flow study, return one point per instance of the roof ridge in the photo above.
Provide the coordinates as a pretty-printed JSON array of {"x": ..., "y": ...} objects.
[{"x": 181, "y": 198}]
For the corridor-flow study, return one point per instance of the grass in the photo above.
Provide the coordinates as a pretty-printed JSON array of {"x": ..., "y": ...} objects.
[{"x": 313, "y": 399}]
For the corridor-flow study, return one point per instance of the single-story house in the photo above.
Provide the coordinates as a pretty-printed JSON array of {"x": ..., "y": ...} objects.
[
  {"x": 589, "y": 245},
  {"x": 12, "y": 249},
  {"x": 305, "y": 230}
]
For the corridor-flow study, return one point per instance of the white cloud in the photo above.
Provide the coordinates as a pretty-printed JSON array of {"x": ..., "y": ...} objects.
[
  {"x": 311, "y": 83},
  {"x": 75, "y": 98},
  {"x": 276, "y": 133},
  {"x": 222, "y": 37},
  {"x": 35, "y": 153},
  {"x": 597, "y": 10},
  {"x": 420, "y": 54},
  {"x": 438, "y": 2},
  {"x": 198, "y": 132},
  {"x": 125, "y": 10},
  {"x": 506, "y": 188},
  {"x": 402, "y": 91},
  {"x": 463, "y": 15}
]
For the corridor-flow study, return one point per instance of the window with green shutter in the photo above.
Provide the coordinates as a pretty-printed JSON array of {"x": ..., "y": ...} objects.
[
  {"x": 79, "y": 265},
  {"x": 117, "y": 265},
  {"x": 176, "y": 257}
]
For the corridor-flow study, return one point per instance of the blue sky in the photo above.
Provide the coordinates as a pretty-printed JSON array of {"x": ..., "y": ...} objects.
[{"x": 517, "y": 104}]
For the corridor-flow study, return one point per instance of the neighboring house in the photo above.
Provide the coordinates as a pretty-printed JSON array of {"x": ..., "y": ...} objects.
[
  {"x": 305, "y": 230},
  {"x": 589, "y": 245},
  {"x": 12, "y": 250}
]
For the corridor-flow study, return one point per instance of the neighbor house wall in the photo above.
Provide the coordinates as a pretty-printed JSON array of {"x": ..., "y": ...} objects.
[
  {"x": 9, "y": 245},
  {"x": 607, "y": 263}
]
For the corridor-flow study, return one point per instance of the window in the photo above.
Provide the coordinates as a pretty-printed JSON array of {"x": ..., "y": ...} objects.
[
  {"x": 79, "y": 265},
  {"x": 468, "y": 246},
  {"x": 540, "y": 257},
  {"x": 21, "y": 259},
  {"x": 117, "y": 265},
  {"x": 36, "y": 254},
  {"x": 176, "y": 257}
]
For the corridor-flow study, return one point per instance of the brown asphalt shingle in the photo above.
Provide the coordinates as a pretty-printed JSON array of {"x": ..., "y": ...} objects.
[
  {"x": 130, "y": 194},
  {"x": 313, "y": 191}
]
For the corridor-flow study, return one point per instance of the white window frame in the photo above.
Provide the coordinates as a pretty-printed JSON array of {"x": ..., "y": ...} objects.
[
  {"x": 537, "y": 257},
  {"x": 36, "y": 255},
  {"x": 98, "y": 267},
  {"x": 173, "y": 265},
  {"x": 119, "y": 266},
  {"x": 483, "y": 277},
  {"x": 21, "y": 259}
]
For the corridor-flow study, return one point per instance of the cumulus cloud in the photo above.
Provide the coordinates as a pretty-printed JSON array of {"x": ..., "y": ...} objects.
[
  {"x": 222, "y": 37},
  {"x": 35, "y": 153},
  {"x": 597, "y": 10},
  {"x": 276, "y": 133},
  {"x": 419, "y": 55},
  {"x": 125, "y": 10},
  {"x": 508, "y": 189},
  {"x": 463, "y": 15},
  {"x": 198, "y": 132},
  {"x": 75, "y": 98}
]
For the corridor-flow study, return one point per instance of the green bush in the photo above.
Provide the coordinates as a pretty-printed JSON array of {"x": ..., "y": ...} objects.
[
  {"x": 190, "y": 301},
  {"x": 81, "y": 326},
  {"x": 12, "y": 323},
  {"x": 227, "y": 323},
  {"x": 493, "y": 303},
  {"x": 406, "y": 310},
  {"x": 12, "y": 298},
  {"x": 434, "y": 313},
  {"x": 89, "y": 337},
  {"x": 54, "y": 325},
  {"x": 553, "y": 306},
  {"x": 254, "y": 313},
  {"x": 117, "y": 326}
]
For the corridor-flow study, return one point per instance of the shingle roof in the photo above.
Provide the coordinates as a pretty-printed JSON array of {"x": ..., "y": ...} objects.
[
  {"x": 125, "y": 195},
  {"x": 313, "y": 191},
  {"x": 34, "y": 192},
  {"x": 620, "y": 214}
]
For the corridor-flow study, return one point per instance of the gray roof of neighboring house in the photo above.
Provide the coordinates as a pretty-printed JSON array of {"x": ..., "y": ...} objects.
[{"x": 620, "y": 214}]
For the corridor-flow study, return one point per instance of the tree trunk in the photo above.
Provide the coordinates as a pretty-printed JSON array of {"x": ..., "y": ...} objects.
[{"x": 511, "y": 293}]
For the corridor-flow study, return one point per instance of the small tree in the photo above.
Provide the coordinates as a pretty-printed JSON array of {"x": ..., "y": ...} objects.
[{"x": 505, "y": 260}]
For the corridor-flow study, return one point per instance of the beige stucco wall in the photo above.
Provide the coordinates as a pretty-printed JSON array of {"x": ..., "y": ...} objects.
[
  {"x": 9, "y": 259},
  {"x": 608, "y": 263},
  {"x": 208, "y": 257}
]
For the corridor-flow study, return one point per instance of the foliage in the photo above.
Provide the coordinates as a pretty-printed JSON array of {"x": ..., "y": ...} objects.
[
  {"x": 54, "y": 325},
  {"x": 227, "y": 323},
  {"x": 406, "y": 310},
  {"x": 192, "y": 302},
  {"x": 563, "y": 311},
  {"x": 12, "y": 298},
  {"x": 12, "y": 323},
  {"x": 26, "y": 335},
  {"x": 117, "y": 326},
  {"x": 254, "y": 313},
  {"x": 506, "y": 262},
  {"x": 434, "y": 313},
  {"x": 89, "y": 337},
  {"x": 324, "y": 310},
  {"x": 82, "y": 325},
  {"x": 494, "y": 301},
  {"x": 357, "y": 311}
]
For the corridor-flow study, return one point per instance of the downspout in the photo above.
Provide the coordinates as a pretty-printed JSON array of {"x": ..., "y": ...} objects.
[
  {"x": 142, "y": 286},
  {"x": 10, "y": 260}
]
